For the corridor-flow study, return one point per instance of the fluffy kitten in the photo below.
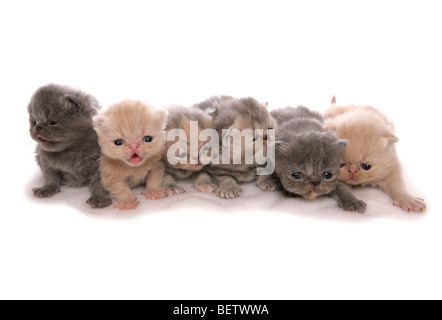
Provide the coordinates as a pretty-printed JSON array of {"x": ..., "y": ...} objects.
[
  {"x": 370, "y": 158},
  {"x": 307, "y": 159},
  {"x": 231, "y": 113},
  {"x": 179, "y": 118},
  {"x": 67, "y": 152},
  {"x": 132, "y": 139}
]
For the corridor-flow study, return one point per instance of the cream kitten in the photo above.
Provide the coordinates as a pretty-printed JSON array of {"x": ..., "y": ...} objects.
[
  {"x": 132, "y": 139},
  {"x": 180, "y": 118},
  {"x": 370, "y": 158}
]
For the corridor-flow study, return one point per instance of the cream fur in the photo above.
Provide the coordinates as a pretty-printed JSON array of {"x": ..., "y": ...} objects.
[
  {"x": 372, "y": 142},
  {"x": 131, "y": 121}
]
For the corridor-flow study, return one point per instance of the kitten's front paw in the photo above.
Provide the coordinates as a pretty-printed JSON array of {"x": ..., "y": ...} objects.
[
  {"x": 45, "y": 192},
  {"x": 411, "y": 204},
  {"x": 229, "y": 193},
  {"x": 172, "y": 191},
  {"x": 206, "y": 188},
  {"x": 268, "y": 185},
  {"x": 154, "y": 194},
  {"x": 353, "y": 205},
  {"x": 99, "y": 202},
  {"x": 127, "y": 205}
]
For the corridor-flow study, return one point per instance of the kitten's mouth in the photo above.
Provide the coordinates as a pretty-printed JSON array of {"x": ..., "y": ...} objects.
[
  {"x": 40, "y": 138},
  {"x": 351, "y": 180},
  {"x": 135, "y": 159},
  {"x": 195, "y": 167},
  {"x": 313, "y": 194}
]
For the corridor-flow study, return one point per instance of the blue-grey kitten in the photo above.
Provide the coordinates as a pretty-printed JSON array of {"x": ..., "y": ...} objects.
[
  {"x": 308, "y": 159},
  {"x": 240, "y": 114},
  {"x": 60, "y": 121}
]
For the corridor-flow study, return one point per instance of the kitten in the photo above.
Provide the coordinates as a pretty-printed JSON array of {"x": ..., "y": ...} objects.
[
  {"x": 180, "y": 118},
  {"x": 231, "y": 113},
  {"x": 132, "y": 139},
  {"x": 67, "y": 152},
  {"x": 370, "y": 158},
  {"x": 307, "y": 159}
]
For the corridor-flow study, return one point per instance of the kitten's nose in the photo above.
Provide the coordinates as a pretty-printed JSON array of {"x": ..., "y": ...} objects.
[
  {"x": 38, "y": 126},
  {"x": 134, "y": 146},
  {"x": 352, "y": 168},
  {"x": 316, "y": 183}
]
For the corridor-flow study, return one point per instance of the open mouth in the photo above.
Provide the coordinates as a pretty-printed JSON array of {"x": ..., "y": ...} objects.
[
  {"x": 40, "y": 138},
  {"x": 135, "y": 159}
]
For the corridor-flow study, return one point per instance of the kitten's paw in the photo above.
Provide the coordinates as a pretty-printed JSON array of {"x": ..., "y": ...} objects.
[
  {"x": 411, "y": 204},
  {"x": 268, "y": 185},
  {"x": 229, "y": 193},
  {"x": 353, "y": 205},
  {"x": 206, "y": 188},
  {"x": 99, "y": 202},
  {"x": 154, "y": 194},
  {"x": 172, "y": 191},
  {"x": 127, "y": 205},
  {"x": 45, "y": 192}
]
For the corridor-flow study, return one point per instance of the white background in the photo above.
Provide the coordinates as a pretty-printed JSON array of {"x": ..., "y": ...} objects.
[{"x": 383, "y": 53}]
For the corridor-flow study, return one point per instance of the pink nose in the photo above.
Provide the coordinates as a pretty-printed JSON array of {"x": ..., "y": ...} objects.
[
  {"x": 134, "y": 147},
  {"x": 352, "y": 169}
]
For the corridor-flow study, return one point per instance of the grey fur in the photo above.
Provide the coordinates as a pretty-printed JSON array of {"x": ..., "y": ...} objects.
[
  {"x": 175, "y": 115},
  {"x": 63, "y": 116},
  {"x": 304, "y": 146},
  {"x": 226, "y": 112}
]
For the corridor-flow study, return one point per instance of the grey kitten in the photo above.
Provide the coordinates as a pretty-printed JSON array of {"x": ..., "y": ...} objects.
[
  {"x": 231, "y": 113},
  {"x": 180, "y": 117},
  {"x": 308, "y": 159},
  {"x": 67, "y": 152}
]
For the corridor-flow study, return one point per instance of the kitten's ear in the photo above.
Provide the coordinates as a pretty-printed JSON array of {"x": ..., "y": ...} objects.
[
  {"x": 333, "y": 100},
  {"x": 73, "y": 101},
  {"x": 391, "y": 139},
  {"x": 342, "y": 144},
  {"x": 213, "y": 112},
  {"x": 161, "y": 117},
  {"x": 281, "y": 146},
  {"x": 265, "y": 104},
  {"x": 98, "y": 122}
]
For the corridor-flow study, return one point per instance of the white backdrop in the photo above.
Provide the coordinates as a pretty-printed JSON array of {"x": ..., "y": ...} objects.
[{"x": 384, "y": 53}]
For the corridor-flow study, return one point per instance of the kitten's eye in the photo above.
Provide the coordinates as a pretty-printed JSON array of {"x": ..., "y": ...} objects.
[
  {"x": 297, "y": 175},
  {"x": 366, "y": 167},
  {"x": 208, "y": 148},
  {"x": 34, "y": 123},
  {"x": 53, "y": 123},
  {"x": 342, "y": 165},
  {"x": 327, "y": 175},
  {"x": 182, "y": 155},
  {"x": 148, "y": 139},
  {"x": 119, "y": 142}
]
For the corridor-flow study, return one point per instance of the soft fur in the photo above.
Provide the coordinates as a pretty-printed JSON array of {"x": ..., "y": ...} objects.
[
  {"x": 231, "y": 113},
  {"x": 179, "y": 118},
  {"x": 67, "y": 152},
  {"x": 308, "y": 159},
  {"x": 372, "y": 146},
  {"x": 135, "y": 161}
]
